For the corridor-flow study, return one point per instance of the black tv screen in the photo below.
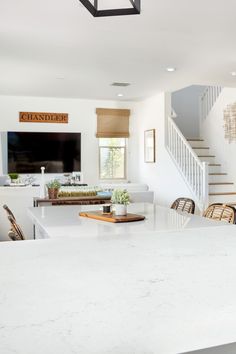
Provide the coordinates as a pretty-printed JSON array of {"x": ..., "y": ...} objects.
[{"x": 57, "y": 152}]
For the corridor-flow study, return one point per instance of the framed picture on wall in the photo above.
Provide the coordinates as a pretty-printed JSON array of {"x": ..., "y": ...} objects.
[{"x": 149, "y": 145}]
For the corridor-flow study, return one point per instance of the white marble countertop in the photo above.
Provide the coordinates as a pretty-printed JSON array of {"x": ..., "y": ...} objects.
[
  {"x": 156, "y": 293},
  {"x": 64, "y": 221}
]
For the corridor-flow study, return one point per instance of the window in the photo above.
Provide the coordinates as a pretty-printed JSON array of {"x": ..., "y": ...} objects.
[{"x": 112, "y": 158}]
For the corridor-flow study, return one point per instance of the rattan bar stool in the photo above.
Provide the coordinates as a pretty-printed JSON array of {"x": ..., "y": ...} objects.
[
  {"x": 221, "y": 212},
  {"x": 184, "y": 204},
  {"x": 15, "y": 234},
  {"x": 8, "y": 210}
]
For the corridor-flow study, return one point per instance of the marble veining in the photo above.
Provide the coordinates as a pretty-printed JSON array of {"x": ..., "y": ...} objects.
[{"x": 165, "y": 293}]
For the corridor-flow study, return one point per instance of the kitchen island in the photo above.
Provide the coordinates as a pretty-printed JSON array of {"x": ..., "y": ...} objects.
[
  {"x": 64, "y": 221},
  {"x": 144, "y": 293}
]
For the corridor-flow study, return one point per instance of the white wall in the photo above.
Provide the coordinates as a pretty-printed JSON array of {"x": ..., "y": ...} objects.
[
  {"x": 161, "y": 176},
  {"x": 212, "y": 132},
  {"x": 82, "y": 118},
  {"x": 185, "y": 103}
]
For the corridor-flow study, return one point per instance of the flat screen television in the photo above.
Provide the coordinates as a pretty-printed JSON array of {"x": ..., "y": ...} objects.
[{"x": 57, "y": 152}]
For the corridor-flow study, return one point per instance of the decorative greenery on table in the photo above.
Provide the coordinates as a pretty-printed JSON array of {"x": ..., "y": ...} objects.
[
  {"x": 66, "y": 194},
  {"x": 13, "y": 176},
  {"x": 120, "y": 196},
  {"x": 54, "y": 184}
]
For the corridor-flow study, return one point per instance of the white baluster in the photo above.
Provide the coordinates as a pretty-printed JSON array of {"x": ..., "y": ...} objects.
[
  {"x": 205, "y": 98},
  {"x": 210, "y": 97},
  {"x": 171, "y": 138},
  {"x": 196, "y": 179},
  {"x": 192, "y": 172},
  {"x": 189, "y": 166},
  {"x": 203, "y": 107},
  {"x": 209, "y": 100},
  {"x": 177, "y": 149},
  {"x": 205, "y": 184},
  {"x": 185, "y": 166},
  {"x": 174, "y": 143},
  {"x": 187, "y": 161},
  {"x": 215, "y": 93},
  {"x": 169, "y": 134}
]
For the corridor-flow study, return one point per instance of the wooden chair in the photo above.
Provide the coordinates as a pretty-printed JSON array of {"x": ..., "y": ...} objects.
[
  {"x": 184, "y": 204},
  {"x": 8, "y": 210},
  {"x": 15, "y": 234},
  {"x": 218, "y": 211}
]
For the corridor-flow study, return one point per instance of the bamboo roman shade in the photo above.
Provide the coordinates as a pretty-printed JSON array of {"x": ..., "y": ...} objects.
[{"x": 112, "y": 123}]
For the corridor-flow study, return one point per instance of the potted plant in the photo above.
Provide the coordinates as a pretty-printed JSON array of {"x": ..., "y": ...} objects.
[
  {"x": 121, "y": 199},
  {"x": 14, "y": 177},
  {"x": 53, "y": 188}
]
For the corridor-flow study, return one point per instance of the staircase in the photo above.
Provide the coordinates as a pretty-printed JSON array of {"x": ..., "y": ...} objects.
[
  {"x": 193, "y": 170},
  {"x": 220, "y": 188},
  {"x": 202, "y": 173}
]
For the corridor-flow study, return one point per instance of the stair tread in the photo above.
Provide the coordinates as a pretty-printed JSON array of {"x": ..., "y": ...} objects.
[
  {"x": 194, "y": 139},
  {"x": 200, "y": 147},
  {"x": 214, "y": 164},
  {"x": 223, "y": 193},
  {"x": 218, "y": 174},
  {"x": 219, "y": 183},
  {"x": 206, "y": 155}
]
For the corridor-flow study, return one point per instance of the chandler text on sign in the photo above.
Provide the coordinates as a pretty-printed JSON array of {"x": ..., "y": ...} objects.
[{"x": 42, "y": 117}]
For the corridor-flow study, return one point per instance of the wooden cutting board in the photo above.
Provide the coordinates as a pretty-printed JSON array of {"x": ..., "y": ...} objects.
[{"x": 98, "y": 215}]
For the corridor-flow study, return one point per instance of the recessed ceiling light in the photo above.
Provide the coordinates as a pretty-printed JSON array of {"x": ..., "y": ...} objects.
[
  {"x": 233, "y": 73},
  {"x": 60, "y": 78},
  {"x": 120, "y": 95},
  {"x": 120, "y": 84},
  {"x": 170, "y": 69}
]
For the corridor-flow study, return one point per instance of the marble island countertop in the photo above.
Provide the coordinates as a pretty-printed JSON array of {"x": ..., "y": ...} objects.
[
  {"x": 64, "y": 221},
  {"x": 167, "y": 293}
]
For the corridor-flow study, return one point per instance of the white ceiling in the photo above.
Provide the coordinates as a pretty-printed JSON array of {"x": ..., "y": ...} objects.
[{"x": 56, "y": 48}]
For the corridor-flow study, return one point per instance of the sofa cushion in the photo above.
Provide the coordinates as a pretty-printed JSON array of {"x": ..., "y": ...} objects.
[{"x": 130, "y": 187}]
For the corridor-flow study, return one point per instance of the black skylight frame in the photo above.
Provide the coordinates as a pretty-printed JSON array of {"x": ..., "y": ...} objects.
[{"x": 93, "y": 9}]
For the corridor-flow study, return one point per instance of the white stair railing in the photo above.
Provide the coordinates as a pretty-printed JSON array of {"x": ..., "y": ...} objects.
[
  {"x": 208, "y": 99},
  {"x": 193, "y": 170}
]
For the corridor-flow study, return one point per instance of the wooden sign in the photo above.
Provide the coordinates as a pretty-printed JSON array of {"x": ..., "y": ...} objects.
[{"x": 42, "y": 117}]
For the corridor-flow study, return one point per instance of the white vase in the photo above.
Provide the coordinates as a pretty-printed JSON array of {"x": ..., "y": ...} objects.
[{"x": 120, "y": 209}]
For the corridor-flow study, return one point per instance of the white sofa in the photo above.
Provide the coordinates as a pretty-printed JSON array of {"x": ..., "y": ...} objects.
[{"x": 139, "y": 192}]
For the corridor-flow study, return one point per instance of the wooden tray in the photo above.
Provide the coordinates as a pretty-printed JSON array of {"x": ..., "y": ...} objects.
[{"x": 98, "y": 215}]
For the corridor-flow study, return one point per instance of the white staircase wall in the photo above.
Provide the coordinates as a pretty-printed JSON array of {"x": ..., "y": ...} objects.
[
  {"x": 185, "y": 103},
  {"x": 162, "y": 176},
  {"x": 212, "y": 131}
]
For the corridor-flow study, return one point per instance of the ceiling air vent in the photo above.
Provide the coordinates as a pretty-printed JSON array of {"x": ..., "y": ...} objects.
[{"x": 120, "y": 84}]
